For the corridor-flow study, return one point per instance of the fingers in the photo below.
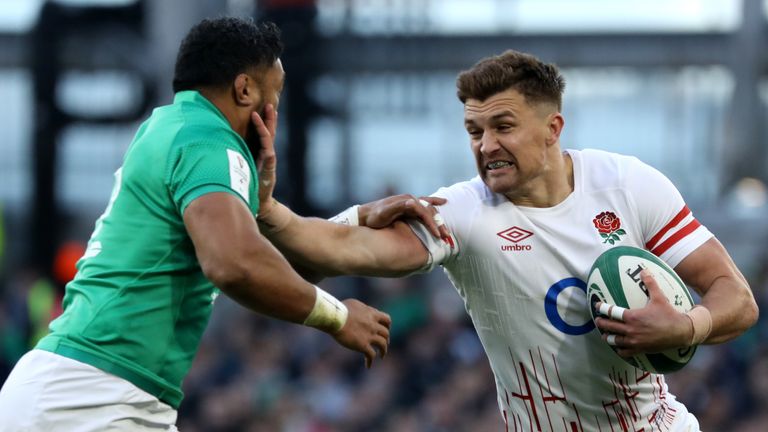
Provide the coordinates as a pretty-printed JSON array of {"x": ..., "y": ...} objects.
[
  {"x": 424, "y": 214},
  {"x": 438, "y": 218},
  {"x": 433, "y": 200},
  {"x": 378, "y": 340},
  {"x": 370, "y": 354},
  {"x": 436, "y": 225},
  {"x": 654, "y": 291},
  {"x": 266, "y": 159},
  {"x": 611, "y": 326},
  {"x": 611, "y": 311},
  {"x": 381, "y": 339},
  {"x": 261, "y": 127},
  {"x": 385, "y": 320},
  {"x": 620, "y": 343},
  {"x": 271, "y": 119},
  {"x": 445, "y": 234},
  {"x": 626, "y": 353},
  {"x": 381, "y": 344}
]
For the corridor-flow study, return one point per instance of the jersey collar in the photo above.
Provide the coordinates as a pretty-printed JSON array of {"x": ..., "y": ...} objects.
[{"x": 195, "y": 97}]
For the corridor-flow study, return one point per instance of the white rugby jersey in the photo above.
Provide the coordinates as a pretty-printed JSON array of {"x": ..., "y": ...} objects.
[{"x": 522, "y": 273}]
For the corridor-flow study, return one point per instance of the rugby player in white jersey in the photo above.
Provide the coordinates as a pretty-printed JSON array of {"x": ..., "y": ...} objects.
[{"x": 523, "y": 235}]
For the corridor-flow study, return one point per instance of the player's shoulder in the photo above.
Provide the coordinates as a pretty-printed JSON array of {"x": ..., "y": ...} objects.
[
  {"x": 206, "y": 132},
  {"x": 209, "y": 139},
  {"x": 198, "y": 121},
  {"x": 602, "y": 169}
]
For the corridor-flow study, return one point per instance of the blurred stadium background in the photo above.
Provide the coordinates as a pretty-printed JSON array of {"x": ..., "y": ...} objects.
[{"x": 369, "y": 110}]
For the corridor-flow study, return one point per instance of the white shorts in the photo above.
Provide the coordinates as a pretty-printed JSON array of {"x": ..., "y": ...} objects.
[
  {"x": 51, "y": 393},
  {"x": 689, "y": 423}
]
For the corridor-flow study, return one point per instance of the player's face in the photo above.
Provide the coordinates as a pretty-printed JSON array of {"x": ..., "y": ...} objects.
[
  {"x": 510, "y": 140},
  {"x": 269, "y": 88}
]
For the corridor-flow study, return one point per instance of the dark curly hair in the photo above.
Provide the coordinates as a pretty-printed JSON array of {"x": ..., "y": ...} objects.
[
  {"x": 216, "y": 50},
  {"x": 534, "y": 79}
]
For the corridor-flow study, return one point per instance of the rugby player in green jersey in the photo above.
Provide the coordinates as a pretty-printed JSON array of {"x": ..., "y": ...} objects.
[{"x": 180, "y": 224}]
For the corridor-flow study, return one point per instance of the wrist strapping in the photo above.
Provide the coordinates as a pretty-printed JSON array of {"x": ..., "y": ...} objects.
[
  {"x": 328, "y": 313},
  {"x": 347, "y": 217},
  {"x": 277, "y": 219},
  {"x": 701, "y": 324}
]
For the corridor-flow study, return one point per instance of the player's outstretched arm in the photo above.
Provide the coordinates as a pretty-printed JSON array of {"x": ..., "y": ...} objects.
[
  {"x": 236, "y": 258},
  {"x": 328, "y": 249},
  {"x": 332, "y": 249}
]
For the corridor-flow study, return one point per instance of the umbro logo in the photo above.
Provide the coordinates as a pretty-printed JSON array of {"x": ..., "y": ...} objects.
[{"x": 515, "y": 235}]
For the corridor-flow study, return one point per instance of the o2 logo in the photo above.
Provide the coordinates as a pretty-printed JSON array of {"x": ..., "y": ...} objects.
[{"x": 550, "y": 307}]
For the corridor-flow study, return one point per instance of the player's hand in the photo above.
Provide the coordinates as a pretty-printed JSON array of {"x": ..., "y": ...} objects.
[
  {"x": 366, "y": 330},
  {"x": 266, "y": 161},
  {"x": 654, "y": 328},
  {"x": 382, "y": 213}
]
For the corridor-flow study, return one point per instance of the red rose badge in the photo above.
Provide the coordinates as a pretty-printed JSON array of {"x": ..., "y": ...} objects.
[{"x": 609, "y": 227}]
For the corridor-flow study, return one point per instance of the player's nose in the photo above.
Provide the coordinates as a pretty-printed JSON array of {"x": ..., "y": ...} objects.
[{"x": 489, "y": 143}]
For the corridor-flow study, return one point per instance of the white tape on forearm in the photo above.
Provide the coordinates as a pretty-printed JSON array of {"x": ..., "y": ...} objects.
[
  {"x": 701, "y": 324},
  {"x": 612, "y": 311},
  {"x": 347, "y": 217},
  {"x": 328, "y": 314}
]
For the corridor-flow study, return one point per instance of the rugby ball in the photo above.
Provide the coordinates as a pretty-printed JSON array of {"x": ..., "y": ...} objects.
[{"x": 615, "y": 279}]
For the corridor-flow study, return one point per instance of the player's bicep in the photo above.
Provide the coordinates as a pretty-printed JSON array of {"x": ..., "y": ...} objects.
[
  {"x": 222, "y": 229},
  {"x": 709, "y": 262}
]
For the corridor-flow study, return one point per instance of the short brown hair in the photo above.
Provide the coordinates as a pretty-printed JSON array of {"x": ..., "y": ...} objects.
[{"x": 535, "y": 80}]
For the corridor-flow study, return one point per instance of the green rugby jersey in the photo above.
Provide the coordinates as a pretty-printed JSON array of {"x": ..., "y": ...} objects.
[{"x": 140, "y": 302}]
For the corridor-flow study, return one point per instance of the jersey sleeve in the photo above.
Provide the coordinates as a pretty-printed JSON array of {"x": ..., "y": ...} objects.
[
  {"x": 455, "y": 214},
  {"x": 670, "y": 231},
  {"x": 208, "y": 167}
]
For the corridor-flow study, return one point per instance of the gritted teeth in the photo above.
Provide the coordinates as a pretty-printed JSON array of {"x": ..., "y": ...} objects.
[{"x": 498, "y": 164}]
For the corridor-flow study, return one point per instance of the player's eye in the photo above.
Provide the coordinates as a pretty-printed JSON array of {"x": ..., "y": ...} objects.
[{"x": 475, "y": 133}]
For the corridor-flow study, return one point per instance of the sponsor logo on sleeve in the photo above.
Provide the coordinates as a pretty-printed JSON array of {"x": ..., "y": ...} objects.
[{"x": 239, "y": 174}]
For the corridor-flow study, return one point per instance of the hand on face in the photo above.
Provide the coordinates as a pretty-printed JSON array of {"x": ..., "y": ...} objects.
[{"x": 266, "y": 161}]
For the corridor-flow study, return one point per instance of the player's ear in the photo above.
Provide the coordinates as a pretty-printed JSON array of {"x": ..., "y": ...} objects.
[
  {"x": 555, "y": 125},
  {"x": 246, "y": 91}
]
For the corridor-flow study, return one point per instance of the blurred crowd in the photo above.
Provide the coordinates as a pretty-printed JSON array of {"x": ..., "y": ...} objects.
[{"x": 254, "y": 374}]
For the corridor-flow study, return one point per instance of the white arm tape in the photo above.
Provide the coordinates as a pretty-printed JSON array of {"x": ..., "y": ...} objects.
[
  {"x": 328, "y": 312},
  {"x": 347, "y": 217},
  {"x": 439, "y": 251}
]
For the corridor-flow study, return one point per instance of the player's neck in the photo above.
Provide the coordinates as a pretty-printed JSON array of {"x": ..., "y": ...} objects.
[{"x": 551, "y": 188}]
